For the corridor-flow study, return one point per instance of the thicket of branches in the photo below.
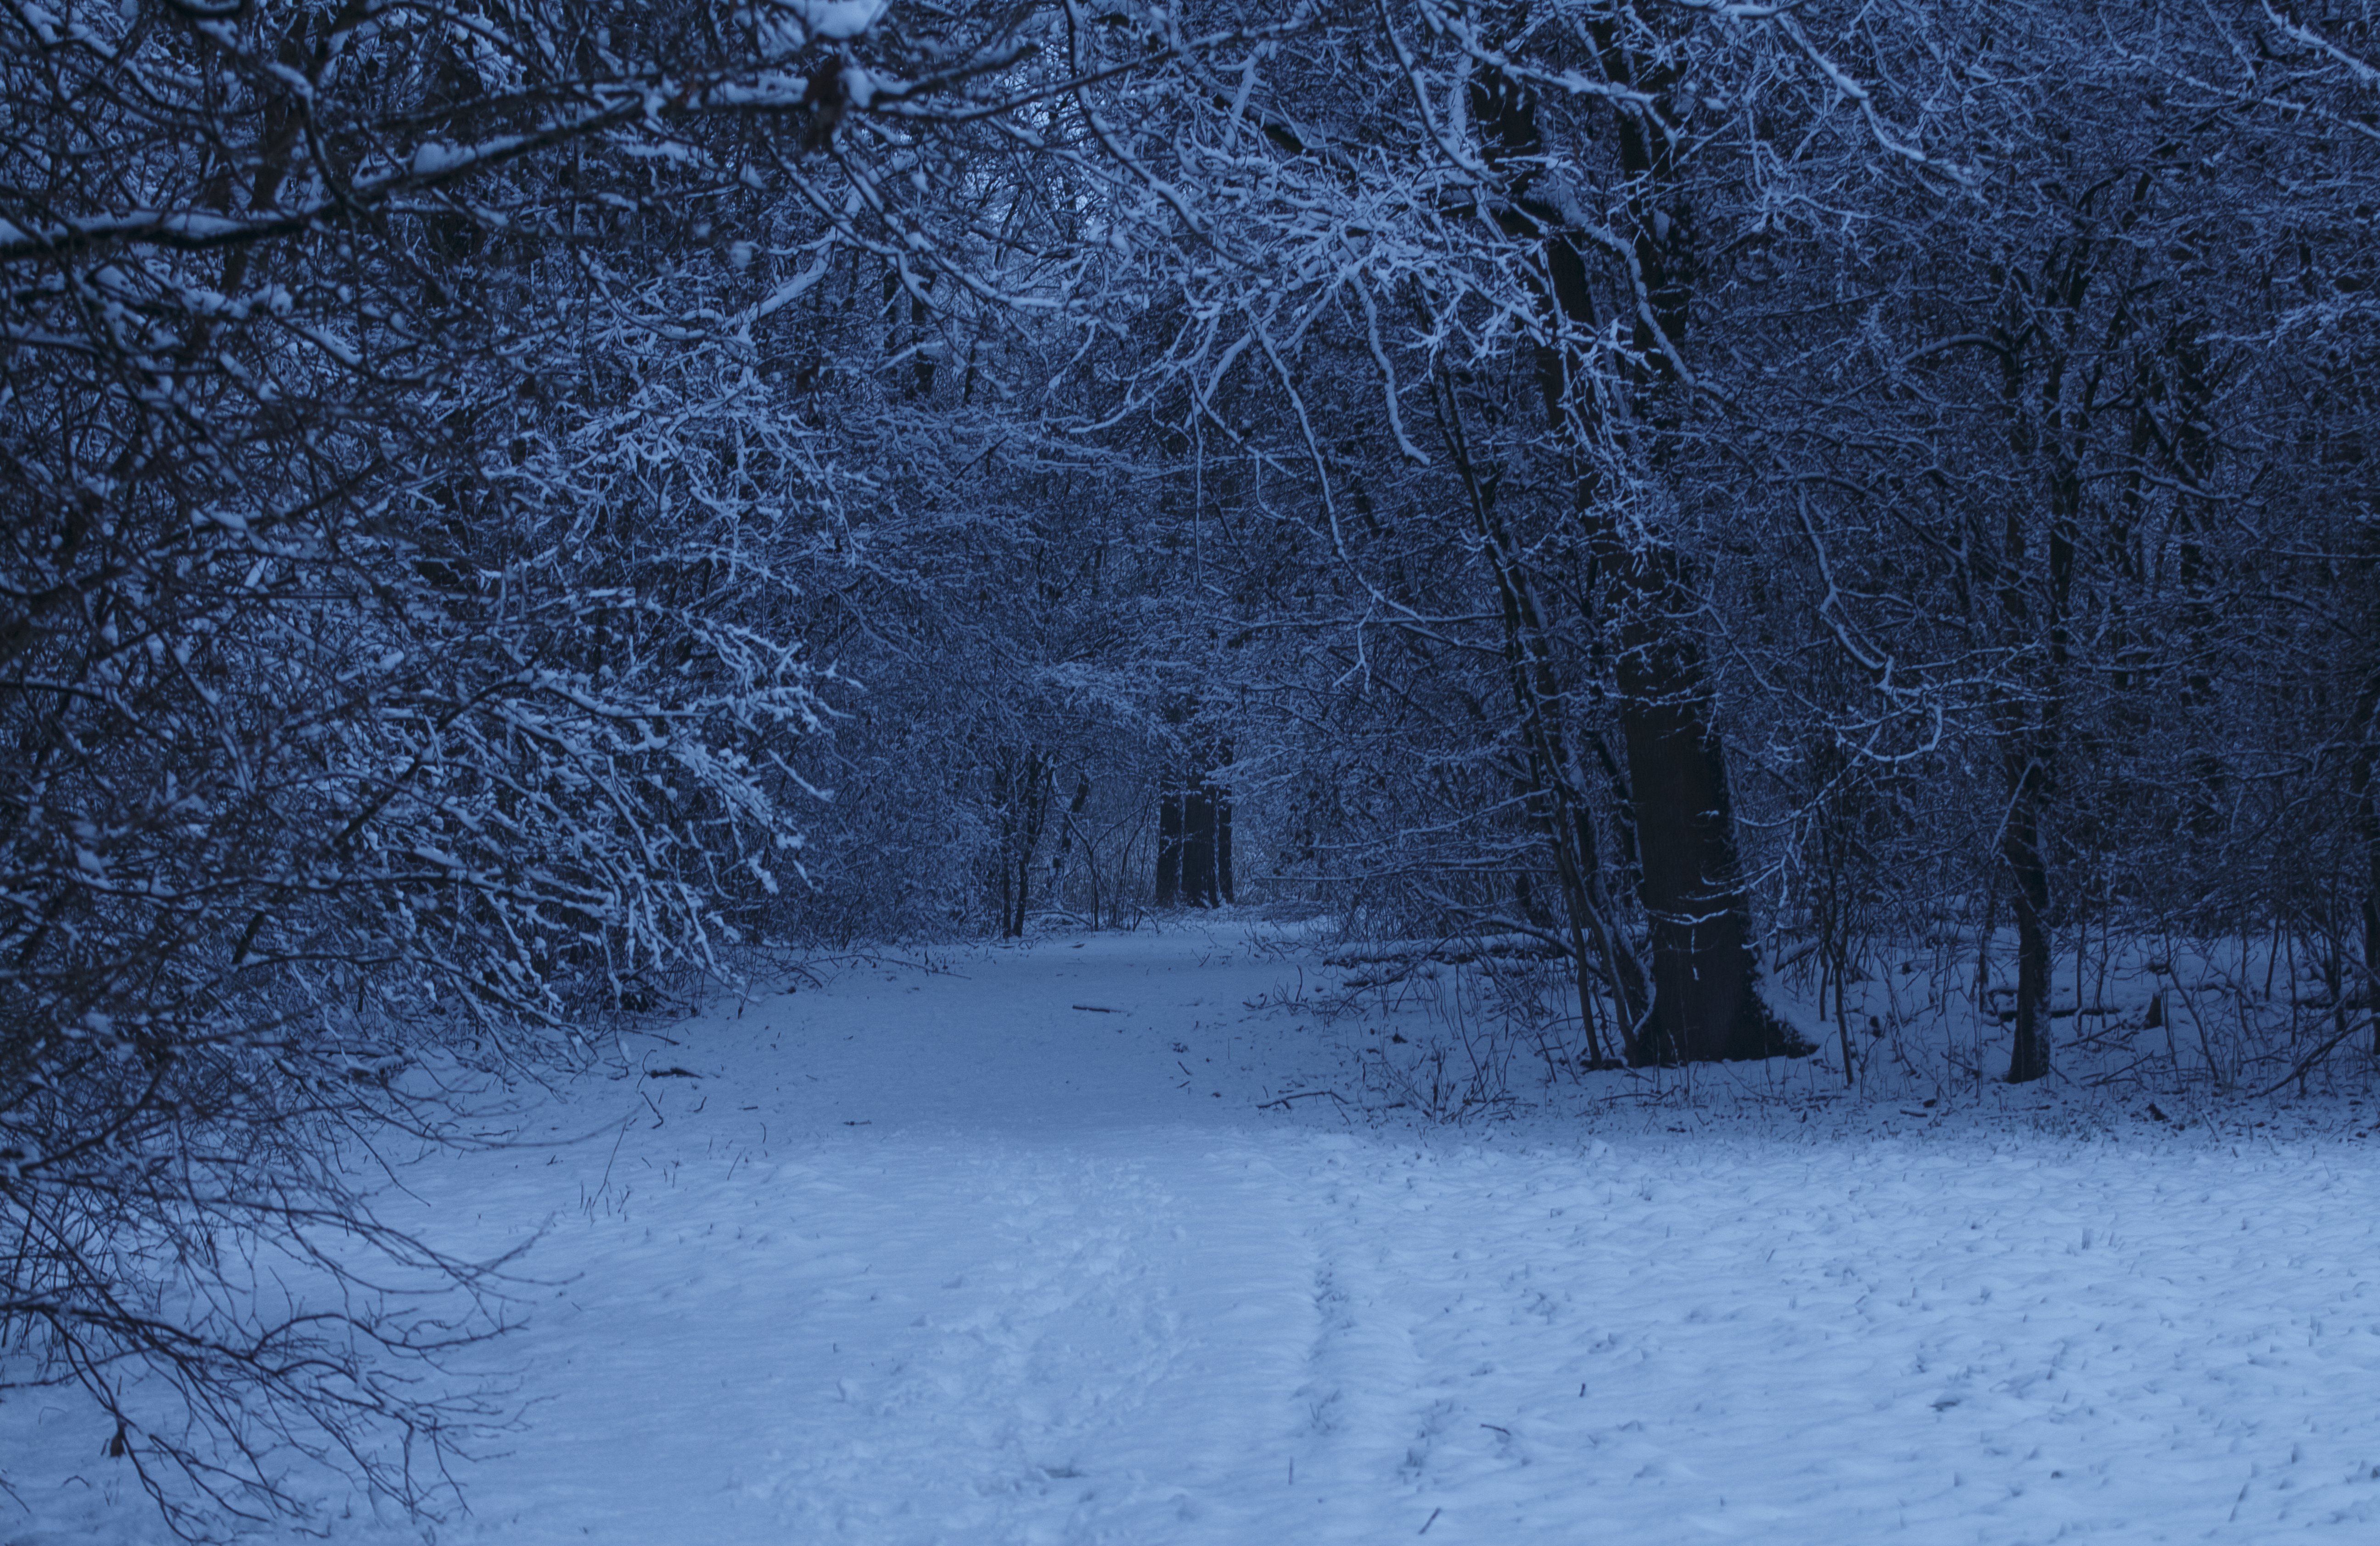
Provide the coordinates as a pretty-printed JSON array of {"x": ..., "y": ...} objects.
[
  {"x": 1746, "y": 483},
  {"x": 507, "y": 503},
  {"x": 406, "y": 646}
]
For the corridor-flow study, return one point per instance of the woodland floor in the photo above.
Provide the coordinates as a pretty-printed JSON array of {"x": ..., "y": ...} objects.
[{"x": 1010, "y": 1247}]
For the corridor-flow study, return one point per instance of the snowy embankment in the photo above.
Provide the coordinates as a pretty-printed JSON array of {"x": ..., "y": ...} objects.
[{"x": 1014, "y": 1250}]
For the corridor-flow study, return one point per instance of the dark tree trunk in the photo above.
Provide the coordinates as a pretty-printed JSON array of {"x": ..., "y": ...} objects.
[
  {"x": 1169, "y": 845},
  {"x": 2363, "y": 779},
  {"x": 2020, "y": 846},
  {"x": 1025, "y": 812},
  {"x": 1003, "y": 864},
  {"x": 1066, "y": 839},
  {"x": 1704, "y": 999},
  {"x": 1197, "y": 842},
  {"x": 1222, "y": 845},
  {"x": 1194, "y": 834},
  {"x": 1006, "y": 879},
  {"x": 1037, "y": 817},
  {"x": 1706, "y": 1003}
]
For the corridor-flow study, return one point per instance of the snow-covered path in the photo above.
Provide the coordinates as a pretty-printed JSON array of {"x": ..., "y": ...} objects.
[{"x": 947, "y": 1259}]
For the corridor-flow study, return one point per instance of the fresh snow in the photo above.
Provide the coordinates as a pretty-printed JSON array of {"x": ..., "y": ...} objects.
[
  {"x": 838, "y": 20},
  {"x": 789, "y": 24},
  {"x": 1007, "y": 1246}
]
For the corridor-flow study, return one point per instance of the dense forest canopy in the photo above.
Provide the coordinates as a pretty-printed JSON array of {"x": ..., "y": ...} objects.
[{"x": 510, "y": 507}]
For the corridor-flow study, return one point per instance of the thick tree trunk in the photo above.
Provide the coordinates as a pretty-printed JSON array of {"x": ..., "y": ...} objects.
[
  {"x": 1706, "y": 1001},
  {"x": 1169, "y": 845},
  {"x": 1705, "y": 1004},
  {"x": 1197, "y": 842}
]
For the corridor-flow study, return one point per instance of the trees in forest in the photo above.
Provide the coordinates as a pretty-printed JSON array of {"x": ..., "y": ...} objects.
[
  {"x": 504, "y": 505},
  {"x": 1852, "y": 397},
  {"x": 421, "y": 579},
  {"x": 1464, "y": 277},
  {"x": 2053, "y": 507}
]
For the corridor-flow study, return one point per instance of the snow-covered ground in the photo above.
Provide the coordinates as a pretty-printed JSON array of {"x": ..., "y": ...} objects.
[{"x": 1015, "y": 1249}]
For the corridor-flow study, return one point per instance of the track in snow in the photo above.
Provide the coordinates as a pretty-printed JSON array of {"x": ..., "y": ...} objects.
[{"x": 944, "y": 1259}]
